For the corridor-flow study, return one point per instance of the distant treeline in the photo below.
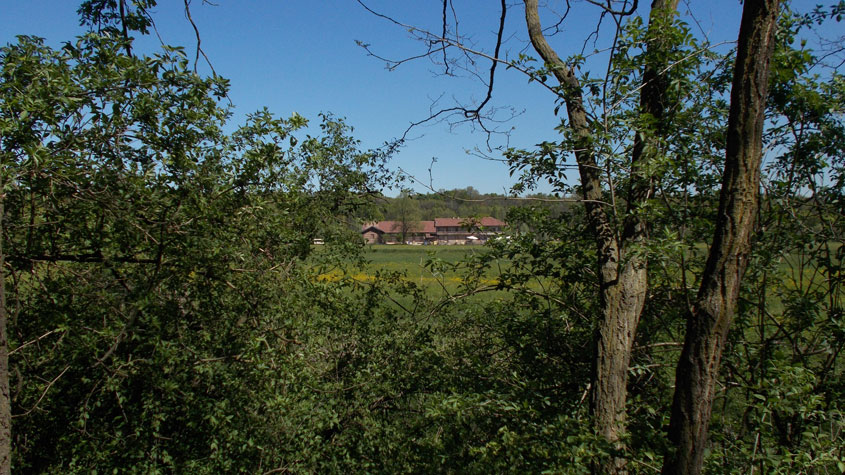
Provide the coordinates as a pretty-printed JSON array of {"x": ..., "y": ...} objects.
[{"x": 460, "y": 202}]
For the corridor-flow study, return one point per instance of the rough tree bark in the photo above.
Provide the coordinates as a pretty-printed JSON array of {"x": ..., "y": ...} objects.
[
  {"x": 711, "y": 314},
  {"x": 622, "y": 274}
]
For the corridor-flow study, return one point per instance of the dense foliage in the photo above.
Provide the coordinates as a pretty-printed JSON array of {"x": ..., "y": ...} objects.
[
  {"x": 151, "y": 258},
  {"x": 167, "y": 311}
]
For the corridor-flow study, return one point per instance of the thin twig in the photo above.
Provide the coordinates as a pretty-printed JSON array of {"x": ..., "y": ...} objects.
[
  {"x": 502, "y": 198},
  {"x": 30, "y": 342},
  {"x": 43, "y": 394}
]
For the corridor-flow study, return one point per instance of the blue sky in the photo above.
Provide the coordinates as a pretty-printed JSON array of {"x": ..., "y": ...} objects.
[{"x": 301, "y": 56}]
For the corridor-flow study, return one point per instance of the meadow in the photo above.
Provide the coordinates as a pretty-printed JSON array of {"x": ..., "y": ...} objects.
[{"x": 441, "y": 271}]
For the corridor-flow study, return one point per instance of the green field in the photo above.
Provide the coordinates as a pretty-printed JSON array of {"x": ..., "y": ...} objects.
[
  {"x": 437, "y": 269},
  {"x": 411, "y": 258}
]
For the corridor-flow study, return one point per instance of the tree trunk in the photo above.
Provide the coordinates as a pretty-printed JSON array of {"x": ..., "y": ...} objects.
[
  {"x": 5, "y": 395},
  {"x": 712, "y": 312},
  {"x": 624, "y": 297},
  {"x": 622, "y": 278},
  {"x": 622, "y": 303}
]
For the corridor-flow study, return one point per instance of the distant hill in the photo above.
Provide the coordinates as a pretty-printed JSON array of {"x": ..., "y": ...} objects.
[{"x": 464, "y": 202}]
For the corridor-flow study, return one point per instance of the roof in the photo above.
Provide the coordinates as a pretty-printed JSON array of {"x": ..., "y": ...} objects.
[
  {"x": 440, "y": 222},
  {"x": 375, "y": 225},
  {"x": 396, "y": 226},
  {"x": 490, "y": 221},
  {"x": 428, "y": 227}
]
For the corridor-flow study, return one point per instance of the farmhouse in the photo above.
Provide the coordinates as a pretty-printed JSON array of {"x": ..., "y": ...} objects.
[{"x": 439, "y": 231}]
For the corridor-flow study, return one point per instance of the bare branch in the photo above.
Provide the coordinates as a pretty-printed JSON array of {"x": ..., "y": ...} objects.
[
  {"x": 36, "y": 340},
  {"x": 392, "y": 64},
  {"x": 93, "y": 257},
  {"x": 383, "y": 16},
  {"x": 443, "y": 35},
  {"x": 474, "y": 113},
  {"x": 556, "y": 26},
  {"x": 608, "y": 9},
  {"x": 438, "y": 43},
  {"x": 43, "y": 394},
  {"x": 498, "y": 198},
  {"x": 199, "y": 39}
]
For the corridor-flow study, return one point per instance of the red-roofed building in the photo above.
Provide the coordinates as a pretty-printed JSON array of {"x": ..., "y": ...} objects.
[
  {"x": 439, "y": 231},
  {"x": 467, "y": 230},
  {"x": 391, "y": 232}
]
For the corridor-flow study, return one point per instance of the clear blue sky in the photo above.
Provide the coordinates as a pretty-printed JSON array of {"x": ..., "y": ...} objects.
[{"x": 297, "y": 55}]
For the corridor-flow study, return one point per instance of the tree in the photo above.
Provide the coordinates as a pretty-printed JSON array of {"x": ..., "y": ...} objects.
[
  {"x": 150, "y": 259},
  {"x": 710, "y": 317},
  {"x": 406, "y": 211},
  {"x": 622, "y": 271},
  {"x": 622, "y": 237}
]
